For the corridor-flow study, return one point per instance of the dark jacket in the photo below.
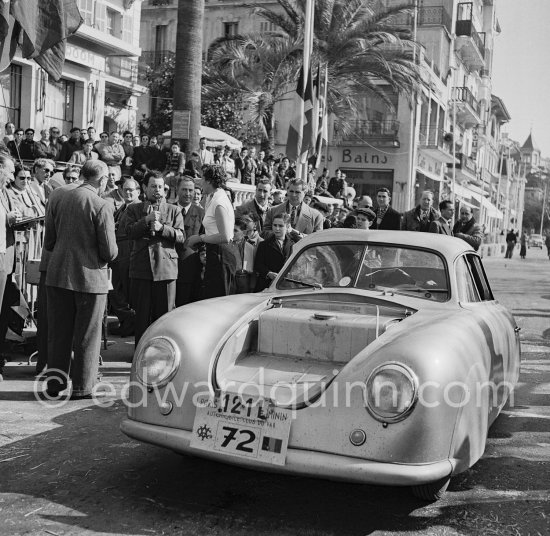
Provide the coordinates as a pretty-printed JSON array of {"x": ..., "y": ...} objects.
[
  {"x": 270, "y": 258},
  {"x": 252, "y": 207},
  {"x": 153, "y": 257},
  {"x": 9, "y": 256},
  {"x": 440, "y": 226},
  {"x": 80, "y": 233},
  {"x": 411, "y": 220},
  {"x": 390, "y": 222},
  {"x": 68, "y": 148},
  {"x": 470, "y": 232}
]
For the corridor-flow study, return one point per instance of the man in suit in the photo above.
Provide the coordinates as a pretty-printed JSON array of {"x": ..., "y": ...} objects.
[
  {"x": 155, "y": 228},
  {"x": 80, "y": 234},
  {"x": 467, "y": 229},
  {"x": 273, "y": 252},
  {"x": 304, "y": 220},
  {"x": 443, "y": 224},
  {"x": 72, "y": 145},
  {"x": 206, "y": 158},
  {"x": 119, "y": 297},
  {"x": 189, "y": 264},
  {"x": 421, "y": 217},
  {"x": 386, "y": 217},
  {"x": 259, "y": 204}
]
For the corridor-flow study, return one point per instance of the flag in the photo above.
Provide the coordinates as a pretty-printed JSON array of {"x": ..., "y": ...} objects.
[
  {"x": 272, "y": 444},
  {"x": 296, "y": 127},
  {"x": 322, "y": 110},
  {"x": 42, "y": 29},
  {"x": 308, "y": 138}
]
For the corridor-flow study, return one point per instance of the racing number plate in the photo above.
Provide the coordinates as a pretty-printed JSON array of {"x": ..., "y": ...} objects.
[{"x": 242, "y": 426}]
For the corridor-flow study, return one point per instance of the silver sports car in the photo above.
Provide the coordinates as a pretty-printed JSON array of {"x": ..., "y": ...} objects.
[{"x": 375, "y": 356}]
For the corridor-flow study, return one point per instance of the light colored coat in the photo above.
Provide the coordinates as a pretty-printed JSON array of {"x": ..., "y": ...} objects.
[
  {"x": 309, "y": 220},
  {"x": 80, "y": 234}
]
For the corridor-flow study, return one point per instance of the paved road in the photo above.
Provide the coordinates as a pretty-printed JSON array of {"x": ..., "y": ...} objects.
[{"x": 68, "y": 470}]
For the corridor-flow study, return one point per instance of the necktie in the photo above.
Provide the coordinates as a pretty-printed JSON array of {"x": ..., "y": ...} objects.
[{"x": 292, "y": 216}]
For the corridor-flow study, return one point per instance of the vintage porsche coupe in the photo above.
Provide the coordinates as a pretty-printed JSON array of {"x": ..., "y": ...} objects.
[{"x": 378, "y": 357}]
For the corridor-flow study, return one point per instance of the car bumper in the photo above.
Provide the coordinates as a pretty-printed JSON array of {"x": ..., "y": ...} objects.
[{"x": 301, "y": 462}]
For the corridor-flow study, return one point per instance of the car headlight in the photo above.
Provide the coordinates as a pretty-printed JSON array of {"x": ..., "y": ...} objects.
[
  {"x": 157, "y": 362},
  {"x": 392, "y": 392}
]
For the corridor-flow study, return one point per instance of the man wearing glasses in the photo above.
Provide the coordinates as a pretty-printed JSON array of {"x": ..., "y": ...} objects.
[
  {"x": 42, "y": 170},
  {"x": 30, "y": 149},
  {"x": 53, "y": 150},
  {"x": 71, "y": 145}
]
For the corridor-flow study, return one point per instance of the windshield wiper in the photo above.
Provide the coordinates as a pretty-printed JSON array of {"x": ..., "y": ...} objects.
[{"x": 303, "y": 283}]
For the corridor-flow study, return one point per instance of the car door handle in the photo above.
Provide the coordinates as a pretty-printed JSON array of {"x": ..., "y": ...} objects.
[{"x": 517, "y": 329}]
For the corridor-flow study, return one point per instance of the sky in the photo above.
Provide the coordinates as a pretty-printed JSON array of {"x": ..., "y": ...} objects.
[{"x": 521, "y": 68}]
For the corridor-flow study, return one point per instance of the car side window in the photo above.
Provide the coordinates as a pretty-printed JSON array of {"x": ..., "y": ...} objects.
[
  {"x": 467, "y": 289},
  {"x": 480, "y": 279}
]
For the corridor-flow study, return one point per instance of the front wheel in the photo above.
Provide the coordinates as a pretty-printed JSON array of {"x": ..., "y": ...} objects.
[{"x": 433, "y": 491}]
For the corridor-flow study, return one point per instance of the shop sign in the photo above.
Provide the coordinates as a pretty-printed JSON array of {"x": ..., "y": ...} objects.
[
  {"x": 430, "y": 165},
  {"x": 84, "y": 57},
  {"x": 475, "y": 141}
]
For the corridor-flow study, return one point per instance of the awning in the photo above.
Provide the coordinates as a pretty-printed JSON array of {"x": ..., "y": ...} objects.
[
  {"x": 214, "y": 137},
  {"x": 477, "y": 190},
  {"x": 462, "y": 192},
  {"x": 492, "y": 211},
  {"x": 430, "y": 175}
]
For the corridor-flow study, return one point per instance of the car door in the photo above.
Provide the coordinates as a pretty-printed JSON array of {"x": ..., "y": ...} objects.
[{"x": 497, "y": 324}]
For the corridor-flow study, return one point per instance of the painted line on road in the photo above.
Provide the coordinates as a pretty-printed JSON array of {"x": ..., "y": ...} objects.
[{"x": 525, "y": 414}]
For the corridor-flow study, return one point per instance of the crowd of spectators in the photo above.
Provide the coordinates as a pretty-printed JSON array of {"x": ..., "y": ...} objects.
[{"x": 179, "y": 235}]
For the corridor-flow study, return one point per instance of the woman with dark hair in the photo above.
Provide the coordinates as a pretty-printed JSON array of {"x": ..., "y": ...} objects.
[
  {"x": 218, "y": 222},
  {"x": 350, "y": 222}
]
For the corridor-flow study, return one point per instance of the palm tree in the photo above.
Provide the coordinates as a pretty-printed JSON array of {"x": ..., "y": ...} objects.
[
  {"x": 365, "y": 48},
  {"x": 187, "y": 79},
  {"x": 260, "y": 69}
]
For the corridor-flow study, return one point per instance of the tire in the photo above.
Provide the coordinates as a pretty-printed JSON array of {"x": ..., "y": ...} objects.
[{"x": 433, "y": 491}]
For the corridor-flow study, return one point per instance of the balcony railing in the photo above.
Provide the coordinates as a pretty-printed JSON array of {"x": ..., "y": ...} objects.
[
  {"x": 122, "y": 68},
  {"x": 434, "y": 16},
  {"x": 433, "y": 137},
  {"x": 465, "y": 26},
  {"x": 466, "y": 163},
  {"x": 463, "y": 94},
  {"x": 363, "y": 129},
  {"x": 427, "y": 16}
]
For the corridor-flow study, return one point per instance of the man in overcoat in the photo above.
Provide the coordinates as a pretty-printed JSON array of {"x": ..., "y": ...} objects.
[{"x": 80, "y": 234}]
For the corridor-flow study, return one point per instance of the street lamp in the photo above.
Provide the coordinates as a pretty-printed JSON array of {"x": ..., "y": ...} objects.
[{"x": 542, "y": 175}]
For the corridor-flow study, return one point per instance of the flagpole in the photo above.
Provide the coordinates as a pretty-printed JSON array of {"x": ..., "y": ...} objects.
[{"x": 301, "y": 167}]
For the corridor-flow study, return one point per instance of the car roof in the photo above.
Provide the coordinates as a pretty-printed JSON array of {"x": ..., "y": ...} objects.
[{"x": 448, "y": 246}]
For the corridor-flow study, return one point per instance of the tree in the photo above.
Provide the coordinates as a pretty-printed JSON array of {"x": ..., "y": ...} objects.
[
  {"x": 258, "y": 70},
  {"x": 366, "y": 52},
  {"x": 187, "y": 77},
  {"x": 363, "y": 44},
  {"x": 160, "y": 82}
]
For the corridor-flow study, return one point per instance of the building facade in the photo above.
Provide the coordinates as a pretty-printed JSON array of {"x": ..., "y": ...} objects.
[
  {"x": 447, "y": 141},
  {"x": 99, "y": 84}
]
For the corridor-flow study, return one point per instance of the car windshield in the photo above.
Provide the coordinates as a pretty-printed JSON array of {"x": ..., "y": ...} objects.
[{"x": 369, "y": 266}]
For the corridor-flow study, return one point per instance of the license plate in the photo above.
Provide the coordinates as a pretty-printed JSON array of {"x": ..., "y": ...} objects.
[{"x": 242, "y": 426}]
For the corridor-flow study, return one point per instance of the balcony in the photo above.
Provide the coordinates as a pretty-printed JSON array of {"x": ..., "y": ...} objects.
[
  {"x": 124, "y": 69},
  {"x": 427, "y": 16},
  {"x": 151, "y": 59},
  {"x": 160, "y": 3},
  {"x": 469, "y": 43},
  {"x": 366, "y": 131},
  {"x": 468, "y": 110},
  {"x": 466, "y": 167},
  {"x": 436, "y": 143},
  {"x": 104, "y": 33}
]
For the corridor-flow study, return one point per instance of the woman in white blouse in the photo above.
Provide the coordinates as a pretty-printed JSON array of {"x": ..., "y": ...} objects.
[{"x": 218, "y": 222}]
